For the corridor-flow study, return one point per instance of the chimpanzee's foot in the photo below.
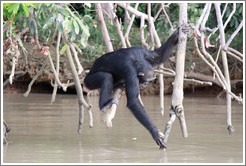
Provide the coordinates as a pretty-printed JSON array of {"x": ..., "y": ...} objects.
[
  {"x": 230, "y": 129},
  {"x": 160, "y": 141},
  {"x": 143, "y": 85},
  {"x": 186, "y": 29},
  {"x": 109, "y": 104}
]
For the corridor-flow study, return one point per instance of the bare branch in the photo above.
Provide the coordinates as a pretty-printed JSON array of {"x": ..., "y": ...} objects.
[
  {"x": 77, "y": 48},
  {"x": 209, "y": 64},
  {"x": 224, "y": 10},
  {"x": 64, "y": 86},
  {"x": 21, "y": 33},
  {"x": 75, "y": 55},
  {"x": 117, "y": 24},
  {"x": 53, "y": 97},
  {"x": 227, "y": 21},
  {"x": 35, "y": 26},
  {"x": 198, "y": 81},
  {"x": 129, "y": 27},
  {"x": 17, "y": 75},
  {"x": 167, "y": 69},
  {"x": 230, "y": 16},
  {"x": 150, "y": 21},
  {"x": 164, "y": 11},
  {"x": 110, "y": 113},
  {"x": 157, "y": 14},
  {"x": 82, "y": 103},
  {"x": 225, "y": 65},
  {"x": 233, "y": 35},
  {"x": 235, "y": 51},
  {"x": 34, "y": 79},
  {"x": 15, "y": 54},
  {"x": 103, "y": 27},
  {"x": 133, "y": 11},
  {"x": 165, "y": 73},
  {"x": 234, "y": 56},
  {"x": 142, "y": 27},
  {"x": 202, "y": 16}
]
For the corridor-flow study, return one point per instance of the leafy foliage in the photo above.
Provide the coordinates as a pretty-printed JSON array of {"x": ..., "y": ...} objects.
[
  {"x": 67, "y": 20},
  {"x": 16, "y": 10}
]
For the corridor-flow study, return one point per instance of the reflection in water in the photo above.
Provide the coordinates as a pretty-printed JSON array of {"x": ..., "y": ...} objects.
[{"x": 46, "y": 133}]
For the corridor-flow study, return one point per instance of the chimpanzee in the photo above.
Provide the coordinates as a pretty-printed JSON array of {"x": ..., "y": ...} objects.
[{"x": 132, "y": 67}]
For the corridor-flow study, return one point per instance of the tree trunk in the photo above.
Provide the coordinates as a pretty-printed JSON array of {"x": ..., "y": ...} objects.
[
  {"x": 177, "y": 97},
  {"x": 225, "y": 65}
]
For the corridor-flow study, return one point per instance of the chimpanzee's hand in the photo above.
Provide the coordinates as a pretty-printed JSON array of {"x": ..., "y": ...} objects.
[
  {"x": 185, "y": 28},
  {"x": 160, "y": 141}
]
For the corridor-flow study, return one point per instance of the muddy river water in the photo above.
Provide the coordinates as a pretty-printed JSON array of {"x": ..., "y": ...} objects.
[{"x": 46, "y": 133}]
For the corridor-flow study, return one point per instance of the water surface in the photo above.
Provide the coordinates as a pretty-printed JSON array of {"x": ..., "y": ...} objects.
[{"x": 46, "y": 133}]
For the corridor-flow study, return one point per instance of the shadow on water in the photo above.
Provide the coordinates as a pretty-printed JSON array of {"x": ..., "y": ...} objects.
[{"x": 46, "y": 133}]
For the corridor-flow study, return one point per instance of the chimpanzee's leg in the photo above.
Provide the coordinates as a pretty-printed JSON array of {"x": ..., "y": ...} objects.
[{"x": 104, "y": 81}]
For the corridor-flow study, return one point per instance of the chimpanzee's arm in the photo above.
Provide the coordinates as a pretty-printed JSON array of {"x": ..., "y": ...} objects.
[
  {"x": 160, "y": 55},
  {"x": 133, "y": 103}
]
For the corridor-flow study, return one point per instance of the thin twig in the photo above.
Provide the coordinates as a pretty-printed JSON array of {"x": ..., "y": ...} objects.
[
  {"x": 64, "y": 86},
  {"x": 35, "y": 26},
  {"x": 235, "y": 51},
  {"x": 35, "y": 78},
  {"x": 21, "y": 33},
  {"x": 234, "y": 56},
  {"x": 129, "y": 27},
  {"x": 142, "y": 27},
  {"x": 118, "y": 26},
  {"x": 233, "y": 35},
  {"x": 157, "y": 14},
  {"x": 15, "y": 53},
  {"x": 164, "y": 11},
  {"x": 75, "y": 55},
  {"x": 57, "y": 66}
]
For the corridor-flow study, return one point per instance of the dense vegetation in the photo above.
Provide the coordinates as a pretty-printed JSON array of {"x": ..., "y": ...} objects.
[{"x": 82, "y": 27}]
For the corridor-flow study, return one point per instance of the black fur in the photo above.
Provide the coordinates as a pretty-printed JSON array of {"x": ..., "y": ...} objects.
[{"x": 132, "y": 67}]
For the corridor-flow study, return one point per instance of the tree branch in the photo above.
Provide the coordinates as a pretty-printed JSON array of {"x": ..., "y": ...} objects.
[
  {"x": 117, "y": 24},
  {"x": 129, "y": 27},
  {"x": 57, "y": 66},
  {"x": 103, "y": 26},
  {"x": 64, "y": 86},
  {"x": 233, "y": 35},
  {"x": 35, "y": 26},
  {"x": 34, "y": 79}
]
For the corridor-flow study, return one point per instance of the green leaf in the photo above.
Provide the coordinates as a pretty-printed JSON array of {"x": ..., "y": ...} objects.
[
  {"x": 64, "y": 48},
  {"x": 14, "y": 8},
  {"x": 68, "y": 25},
  {"x": 84, "y": 39},
  {"x": 26, "y": 9},
  {"x": 60, "y": 27},
  {"x": 49, "y": 22},
  {"x": 63, "y": 12},
  {"x": 76, "y": 26},
  {"x": 68, "y": 9},
  {"x": 85, "y": 28},
  {"x": 73, "y": 37}
]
